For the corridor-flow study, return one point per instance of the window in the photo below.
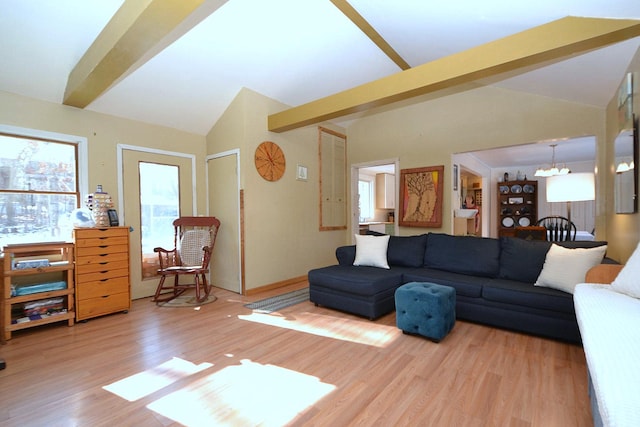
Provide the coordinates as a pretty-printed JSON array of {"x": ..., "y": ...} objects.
[
  {"x": 159, "y": 207},
  {"x": 39, "y": 188},
  {"x": 365, "y": 193}
]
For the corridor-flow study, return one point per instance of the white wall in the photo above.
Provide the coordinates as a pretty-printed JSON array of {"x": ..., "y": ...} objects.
[{"x": 282, "y": 240}]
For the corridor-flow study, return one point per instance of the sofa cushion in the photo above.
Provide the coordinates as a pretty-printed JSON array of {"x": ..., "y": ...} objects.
[
  {"x": 478, "y": 256},
  {"x": 355, "y": 280},
  {"x": 371, "y": 251},
  {"x": 522, "y": 259},
  {"x": 565, "y": 268},
  {"x": 526, "y": 294},
  {"x": 407, "y": 251},
  {"x": 464, "y": 284}
]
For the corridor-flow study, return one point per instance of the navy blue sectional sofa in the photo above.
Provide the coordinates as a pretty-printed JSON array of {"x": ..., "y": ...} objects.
[{"x": 493, "y": 278}]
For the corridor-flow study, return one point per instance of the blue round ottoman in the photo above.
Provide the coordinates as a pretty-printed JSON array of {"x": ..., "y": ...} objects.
[{"x": 426, "y": 309}]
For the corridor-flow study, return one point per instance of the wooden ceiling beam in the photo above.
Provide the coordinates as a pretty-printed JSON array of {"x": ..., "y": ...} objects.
[
  {"x": 553, "y": 41},
  {"x": 355, "y": 17},
  {"x": 130, "y": 36}
]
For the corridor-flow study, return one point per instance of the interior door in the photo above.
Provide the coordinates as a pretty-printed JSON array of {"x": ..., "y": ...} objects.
[
  {"x": 224, "y": 204},
  {"x": 140, "y": 286}
]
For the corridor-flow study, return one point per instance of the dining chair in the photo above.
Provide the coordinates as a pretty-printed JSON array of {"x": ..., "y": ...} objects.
[{"x": 559, "y": 228}]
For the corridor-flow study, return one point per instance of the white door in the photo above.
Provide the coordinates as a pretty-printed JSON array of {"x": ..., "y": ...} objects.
[
  {"x": 224, "y": 204},
  {"x": 143, "y": 279}
]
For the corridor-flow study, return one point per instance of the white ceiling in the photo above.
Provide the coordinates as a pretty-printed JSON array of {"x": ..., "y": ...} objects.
[
  {"x": 567, "y": 150},
  {"x": 290, "y": 50}
]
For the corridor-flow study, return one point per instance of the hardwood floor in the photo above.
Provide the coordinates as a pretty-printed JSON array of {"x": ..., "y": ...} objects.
[{"x": 306, "y": 365}]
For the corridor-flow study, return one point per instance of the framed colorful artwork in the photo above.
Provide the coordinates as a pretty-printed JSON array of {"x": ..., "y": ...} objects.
[{"x": 421, "y": 197}]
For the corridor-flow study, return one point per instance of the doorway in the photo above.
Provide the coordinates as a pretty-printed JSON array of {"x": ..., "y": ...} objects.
[
  {"x": 473, "y": 178},
  {"x": 130, "y": 159},
  {"x": 374, "y": 190},
  {"x": 576, "y": 153},
  {"x": 471, "y": 192},
  {"x": 224, "y": 202}
]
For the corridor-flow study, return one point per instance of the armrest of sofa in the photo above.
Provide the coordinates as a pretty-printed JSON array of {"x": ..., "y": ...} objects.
[
  {"x": 346, "y": 255},
  {"x": 603, "y": 273},
  {"x": 606, "y": 319}
]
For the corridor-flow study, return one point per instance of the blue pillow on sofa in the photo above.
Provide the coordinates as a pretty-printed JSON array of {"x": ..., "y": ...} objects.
[
  {"x": 479, "y": 256},
  {"x": 406, "y": 251},
  {"x": 522, "y": 259}
]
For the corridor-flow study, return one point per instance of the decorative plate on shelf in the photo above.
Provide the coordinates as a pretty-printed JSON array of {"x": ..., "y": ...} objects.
[
  {"x": 528, "y": 188},
  {"x": 516, "y": 189},
  {"x": 524, "y": 222},
  {"x": 507, "y": 221},
  {"x": 504, "y": 189}
]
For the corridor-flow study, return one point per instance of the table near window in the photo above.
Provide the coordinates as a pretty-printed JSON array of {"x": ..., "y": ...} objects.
[{"x": 584, "y": 235}]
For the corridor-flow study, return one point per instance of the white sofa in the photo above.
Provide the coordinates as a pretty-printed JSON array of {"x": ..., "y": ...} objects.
[{"x": 609, "y": 323}]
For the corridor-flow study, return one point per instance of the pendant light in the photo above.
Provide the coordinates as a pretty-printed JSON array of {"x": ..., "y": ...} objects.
[{"x": 553, "y": 170}]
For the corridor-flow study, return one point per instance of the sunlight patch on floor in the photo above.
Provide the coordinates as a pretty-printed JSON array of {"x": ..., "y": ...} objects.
[
  {"x": 245, "y": 394},
  {"x": 145, "y": 383},
  {"x": 357, "y": 331}
]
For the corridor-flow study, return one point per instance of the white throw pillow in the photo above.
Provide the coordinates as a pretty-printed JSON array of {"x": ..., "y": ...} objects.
[
  {"x": 628, "y": 280},
  {"x": 371, "y": 251},
  {"x": 564, "y": 268}
]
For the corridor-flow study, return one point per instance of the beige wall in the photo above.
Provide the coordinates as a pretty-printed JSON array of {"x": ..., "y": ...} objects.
[
  {"x": 428, "y": 133},
  {"x": 103, "y": 133},
  {"x": 282, "y": 240},
  {"x": 281, "y": 221},
  {"x": 281, "y": 218},
  {"x": 623, "y": 230}
]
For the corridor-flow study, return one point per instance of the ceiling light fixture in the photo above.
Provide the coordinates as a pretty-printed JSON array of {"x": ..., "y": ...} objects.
[
  {"x": 553, "y": 170},
  {"x": 625, "y": 167}
]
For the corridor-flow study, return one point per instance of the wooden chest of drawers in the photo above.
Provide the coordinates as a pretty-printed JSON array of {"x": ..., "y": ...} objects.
[{"x": 102, "y": 271}]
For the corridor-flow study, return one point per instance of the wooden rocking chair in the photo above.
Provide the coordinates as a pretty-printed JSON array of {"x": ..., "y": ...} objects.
[{"x": 194, "y": 238}]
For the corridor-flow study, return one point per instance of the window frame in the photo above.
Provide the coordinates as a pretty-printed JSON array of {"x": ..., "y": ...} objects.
[
  {"x": 371, "y": 183},
  {"x": 80, "y": 142}
]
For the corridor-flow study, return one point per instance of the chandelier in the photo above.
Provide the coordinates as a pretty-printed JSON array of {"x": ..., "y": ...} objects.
[
  {"x": 625, "y": 167},
  {"x": 553, "y": 170}
]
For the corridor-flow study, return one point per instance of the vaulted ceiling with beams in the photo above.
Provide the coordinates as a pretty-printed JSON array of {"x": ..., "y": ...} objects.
[{"x": 180, "y": 63}]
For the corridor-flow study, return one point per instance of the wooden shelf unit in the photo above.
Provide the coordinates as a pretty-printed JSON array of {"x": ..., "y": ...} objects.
[
  {"x": 517, "y": 205},
  {"x": 58, "y": 251},
  {"x": 102, "y": 271}
]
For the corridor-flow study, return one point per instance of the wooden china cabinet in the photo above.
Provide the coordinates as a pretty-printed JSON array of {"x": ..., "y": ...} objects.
[{"x": 517, "y": 205}]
